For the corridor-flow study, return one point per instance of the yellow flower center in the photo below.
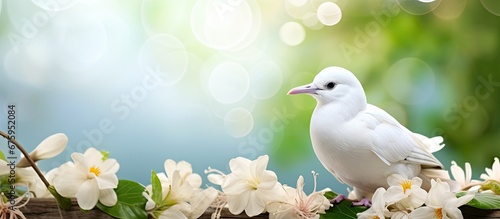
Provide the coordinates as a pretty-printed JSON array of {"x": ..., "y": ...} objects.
[
  {"x": 438, "y": 213},
  {"x": 95, "y": 170},
  {"x": 254, "y": 183},
  {"x": 406, "y": 184},
  {"x": 375, "y": 217}
]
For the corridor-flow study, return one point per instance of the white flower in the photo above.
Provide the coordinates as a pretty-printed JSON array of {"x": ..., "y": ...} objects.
[
  {"x": 185, "y": 172},
  {"x": 201, "y": 200},
  {"x": 441, "y": 203},
  {"x": 463, "y": 178},
  {"x": 12, "y": 211},
  {"x": 89, "y": 179},
  {"x": 493, "y": 173},
  {"x": 405, "y": 192},
  {"x": 378, "y": 208},
  {"x": 48, "y": 148},
  {"x": 250, "y": 186},
  {"x": 175, "y": 198},
  {"x": 297, "y": 204},
  {"x": 181, "y": 195}
]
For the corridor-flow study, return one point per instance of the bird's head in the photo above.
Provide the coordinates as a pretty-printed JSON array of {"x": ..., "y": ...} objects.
[{"x": 334, "y": 85}]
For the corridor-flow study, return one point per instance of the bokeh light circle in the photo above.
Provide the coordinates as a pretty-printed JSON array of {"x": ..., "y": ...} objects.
[
  {"x": 238, "y": 122},
  {"x": 29, "y": 64},
  {"x": 493, "y": 6},
  {"x": 296, "y": 11},
  {"x": 418, "y": 7},
  {"x": 55, "y": 5},
  {"x": 228, "y": 82},
  {"x": 450, "y": 9},
  {"x": 160, "y": 16},
  {"x": 292, "y": 33},
  {"x": 329, "y": 13},
  {"x": 225, "y": 25},
  {"x": 297, "y": 3},
  {"x": 164, "y": 56},
  {"x": 265, "y": 79},
  {"x": 410, "y": 81},
  {"x": 81, "y": 40},
  {"x": 311, "y": 21}
]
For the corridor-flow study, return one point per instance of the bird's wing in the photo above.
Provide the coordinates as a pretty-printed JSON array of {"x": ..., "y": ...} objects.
[{"x": 392, "y": 142}]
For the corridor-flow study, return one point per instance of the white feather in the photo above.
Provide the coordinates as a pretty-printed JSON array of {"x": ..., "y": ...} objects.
[{"x": 361, "y": 144}]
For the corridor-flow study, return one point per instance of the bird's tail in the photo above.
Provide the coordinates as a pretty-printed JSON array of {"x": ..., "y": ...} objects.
[
  {"x": 426, "y": 174},
  {"x": 430, "y": 144}
]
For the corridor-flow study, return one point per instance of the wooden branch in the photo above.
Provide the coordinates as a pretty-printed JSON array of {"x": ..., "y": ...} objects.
[{"x": 41, "y": 208}]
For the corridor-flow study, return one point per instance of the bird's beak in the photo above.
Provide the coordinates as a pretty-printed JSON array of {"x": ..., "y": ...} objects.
[{"x": 305, "y": 89}]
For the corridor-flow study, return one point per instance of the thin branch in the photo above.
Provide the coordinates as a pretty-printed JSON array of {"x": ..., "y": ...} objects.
[{"x": 27, "y": 156}]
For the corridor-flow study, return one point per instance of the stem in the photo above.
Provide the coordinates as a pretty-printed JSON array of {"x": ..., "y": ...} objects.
[{"x": 27, "y": 156}]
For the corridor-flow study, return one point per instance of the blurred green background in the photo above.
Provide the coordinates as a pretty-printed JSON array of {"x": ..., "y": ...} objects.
[{"x": 206, "y": 81}]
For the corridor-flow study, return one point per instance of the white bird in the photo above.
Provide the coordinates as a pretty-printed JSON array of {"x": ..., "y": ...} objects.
[{"x": 361, "y": 144}]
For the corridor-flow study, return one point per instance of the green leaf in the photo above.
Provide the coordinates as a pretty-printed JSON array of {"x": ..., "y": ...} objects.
[
  {"x": 485, "y": 201},
  {"x": 2, "y": 156},
  {"x": 105, "y": 155},
  {"x": 157, "y": 189},
  {"x": 343, "y": 210},
  {"x": 131, "y": 203},
  {"x": 330, "y": 195}
]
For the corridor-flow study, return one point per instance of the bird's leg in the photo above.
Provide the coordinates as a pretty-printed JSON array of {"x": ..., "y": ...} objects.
[
  {"x": 363, "y": 202},
  {"x": 337, "y": 199}
]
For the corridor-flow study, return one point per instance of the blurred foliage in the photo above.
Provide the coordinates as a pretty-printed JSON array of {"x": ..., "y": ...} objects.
[
  {"x": 462, "y": 52},
  {"x": 428, "y": 70}
]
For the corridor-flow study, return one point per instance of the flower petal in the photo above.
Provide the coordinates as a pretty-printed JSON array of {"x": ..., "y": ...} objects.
[
  {"x": 238, "y": 203},
  {"x": 378, "y": 202},
  {"x": 170, "y": 166},
  {"x": 423, "y": 213},
  {"x": 68, "y": 185},
  {"x": 108, "y": 197},
  {"x": 458, "y": 173},
  {"x": 185, "y": 168},
  {"x": 109, "y": 166},
  {"x": 416, "y": 182},
  {"x": 468, "y": 173},
  {"x": 255, "y": 205},
  {"x": 268, "y": 180},
  {"x": 202, "y": 201},
  {"x": 80, "y": 162},
  {"x": 107, "y": 181},
  {"x": 93, "y": 156},
  {"x": 48, "y": 148},
  {"x": 240, "y": 166},
  {"x": 172, "y": 212},
  {"x": 418, "y": 197},
  {"x": 150, "y": 204},
  {"x": 454, "y": 213},
  {"x": 194, "y": 180},
  {"x": 394, "y": 194},
  {"x": 87, "y": 195},
  {"x": 216, "y": 179},
  {"x": 258, "y": 166},
  {"x": 395, "y": 179},
  {"x": 234, "y": 185}
]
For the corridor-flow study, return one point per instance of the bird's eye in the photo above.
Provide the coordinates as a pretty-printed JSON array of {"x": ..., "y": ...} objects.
[{"x": 330, "y": 85}]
